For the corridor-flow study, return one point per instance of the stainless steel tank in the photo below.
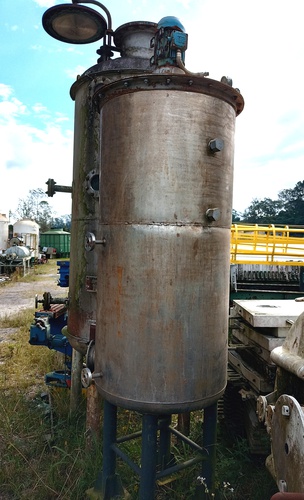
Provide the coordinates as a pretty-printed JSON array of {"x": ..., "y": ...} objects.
[
  {"x": 166, "y": 176},
  {"x": 134, "y": 41}
]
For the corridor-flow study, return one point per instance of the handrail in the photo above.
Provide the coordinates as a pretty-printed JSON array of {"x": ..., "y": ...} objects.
[{"x": 262, "y": 244}]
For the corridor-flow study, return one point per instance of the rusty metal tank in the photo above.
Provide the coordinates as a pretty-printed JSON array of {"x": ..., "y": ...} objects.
[
  {"x": 82, "y": 280},
  {"x": 166, "y": 177},
  {"x": 133, "y": 39}
]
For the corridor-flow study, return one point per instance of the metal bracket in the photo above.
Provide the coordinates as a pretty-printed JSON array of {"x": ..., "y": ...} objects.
[{"x": 54, "y": 188}]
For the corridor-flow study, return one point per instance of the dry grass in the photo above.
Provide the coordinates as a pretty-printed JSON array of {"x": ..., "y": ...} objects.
[{"x": 23, "y": 365}]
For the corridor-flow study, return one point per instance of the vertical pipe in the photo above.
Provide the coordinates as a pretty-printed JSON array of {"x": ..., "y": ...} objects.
[
  {"x": 108, "y": 486},
  {"x": 209, "y": 444},
  {"x": 148, "y": 457},
  {"x": 75, "y": 395}
]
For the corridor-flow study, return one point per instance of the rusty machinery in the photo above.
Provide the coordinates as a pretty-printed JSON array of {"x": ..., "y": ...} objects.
[
  {"x": 282, "y": 412},
  {"x": 264, "y": 399},
  {"x": 150, "y": 235}
]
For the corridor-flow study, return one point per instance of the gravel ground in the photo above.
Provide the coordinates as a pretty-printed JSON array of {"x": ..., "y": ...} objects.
[{"x": 18, "y": 296}]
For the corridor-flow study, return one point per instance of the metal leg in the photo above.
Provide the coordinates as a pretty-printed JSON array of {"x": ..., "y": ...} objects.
[
  {"x": 108, "y": 484},
  {"x": 148, "y": 457},
  {"x": 111, "y": 484},
  {"x": 155, "y": 454},
  {"x": 109, "y": 438}
]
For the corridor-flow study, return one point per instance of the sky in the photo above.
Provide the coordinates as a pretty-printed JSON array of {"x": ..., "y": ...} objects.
[{"x": 259, "y": 44}]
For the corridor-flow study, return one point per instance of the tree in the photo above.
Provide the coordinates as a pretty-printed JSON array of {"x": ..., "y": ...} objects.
[
  {"x": 236, "y": 216},
  {"x": 62, "y": 222},
  {"x": 293, "y": 204},
  {"x": 36, "y": 208},
  {"x": 262, "y": 211},
  {"x": 288, "y": 209}
]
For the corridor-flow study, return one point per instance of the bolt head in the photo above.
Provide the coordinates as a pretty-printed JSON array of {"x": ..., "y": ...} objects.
[
  {"x": 216, "y": 145},
  {"x": 213, "y": 214}
]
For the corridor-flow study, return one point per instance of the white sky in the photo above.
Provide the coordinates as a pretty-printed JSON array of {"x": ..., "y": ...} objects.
[{"x": 259, "y": 44}]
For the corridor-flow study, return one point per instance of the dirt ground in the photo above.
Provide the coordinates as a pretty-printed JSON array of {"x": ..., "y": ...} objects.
[{"x": 18, "y": 296}]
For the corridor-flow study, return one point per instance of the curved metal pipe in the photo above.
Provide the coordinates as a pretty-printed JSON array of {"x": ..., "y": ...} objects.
[
  {"x": 99, "y": 5},
  {"x": 183, "y": 67}
]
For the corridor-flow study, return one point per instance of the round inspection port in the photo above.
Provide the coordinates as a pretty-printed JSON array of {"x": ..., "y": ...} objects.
[{"x": 92, "y": 183}]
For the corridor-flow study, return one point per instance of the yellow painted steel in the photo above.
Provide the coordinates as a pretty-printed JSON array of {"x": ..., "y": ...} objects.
[{"x": 257, "y": 244}]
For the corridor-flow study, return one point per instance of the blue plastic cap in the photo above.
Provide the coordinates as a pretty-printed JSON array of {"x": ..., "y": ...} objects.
[{"x": 170, "y": 22}]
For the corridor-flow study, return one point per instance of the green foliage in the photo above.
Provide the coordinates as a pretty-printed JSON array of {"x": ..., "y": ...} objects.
[
  {"x": 288, "y": 209},
  {"x": 239, "y": 474},
  {"x": 63, "y": 222},
  {"x": 262, "y": 211},
  {"x": 293, "y": 204},
  {"x": 236, "y": 216},
  {"x": 43, "y": 454}
]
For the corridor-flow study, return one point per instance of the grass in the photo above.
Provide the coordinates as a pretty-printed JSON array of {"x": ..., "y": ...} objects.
[
  {"x": 44, "y": 450},
  {"x": 40, "y": 444},
  {"x": 33, "y": 274},
  {"x": 36, "y": 273},
  {"x": 23, "y": 365}
]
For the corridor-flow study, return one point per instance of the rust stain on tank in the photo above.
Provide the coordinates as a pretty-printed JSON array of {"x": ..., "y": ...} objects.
[{"x": 195, "y": 248}]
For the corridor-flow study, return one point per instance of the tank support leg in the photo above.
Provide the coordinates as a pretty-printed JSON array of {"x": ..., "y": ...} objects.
[
  {"x": 148, "y": 457},
  {"x": 209, "y": 445},
  {"x": 108, "y": 484},
  {"x": 111, "y": 485},
  {"x": 157, "y": 462}
]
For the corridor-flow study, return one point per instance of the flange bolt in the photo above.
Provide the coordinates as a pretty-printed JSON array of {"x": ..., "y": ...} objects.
[
  {"x": 216, "y": 145},
  {"x": 213, "y": 214}
]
